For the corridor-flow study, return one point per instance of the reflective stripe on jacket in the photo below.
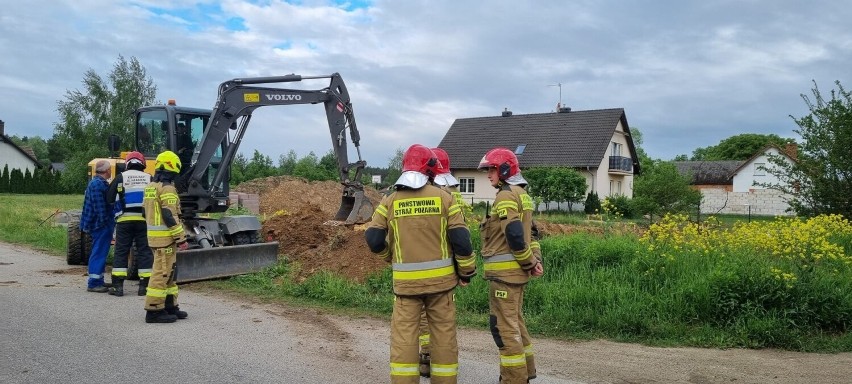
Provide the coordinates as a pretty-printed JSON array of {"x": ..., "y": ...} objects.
[
  {"x": 417, "y": 224},
  {"x": 132, "y": 191},
  {"x": 500, "y": 261},
  {"x": 162, "y": 214}
]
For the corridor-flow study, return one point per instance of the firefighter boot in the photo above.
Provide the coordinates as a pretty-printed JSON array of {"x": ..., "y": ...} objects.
[
  {"x": 173, "y": 309},
  {"x": 117, "y": 288},
  {"x": 160, "y": 316},
  {"x": 425, "y": 365},
  {"x": 143, "y": 286}
]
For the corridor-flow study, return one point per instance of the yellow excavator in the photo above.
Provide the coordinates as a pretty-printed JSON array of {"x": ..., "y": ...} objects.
[{"x": 207, "y": 143}]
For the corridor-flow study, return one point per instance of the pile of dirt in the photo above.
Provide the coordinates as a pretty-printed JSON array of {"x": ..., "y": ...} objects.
[{"x": 299, "y": 215}]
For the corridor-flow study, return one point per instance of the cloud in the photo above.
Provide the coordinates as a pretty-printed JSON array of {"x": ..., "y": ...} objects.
[{"x": 687, "y": 74}]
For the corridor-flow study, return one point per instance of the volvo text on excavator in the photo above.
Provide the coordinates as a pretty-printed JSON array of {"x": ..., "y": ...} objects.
[{"x": 207, "y": 143}]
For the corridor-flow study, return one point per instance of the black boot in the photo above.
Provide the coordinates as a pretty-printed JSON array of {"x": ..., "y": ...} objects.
[
  {"x": 425, "y": 365},
  {"x": 143, "y": 286},
  {"x": 117, "y": 288},
  {"x": 173, "y": 309},
  {"x": 160, "y": 316}
]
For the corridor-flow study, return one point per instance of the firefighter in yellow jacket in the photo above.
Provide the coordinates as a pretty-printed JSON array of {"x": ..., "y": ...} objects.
[
  {"x": 420, "y": 229},
  {"x": 509, "y": 261},
  {"x": 444, "y": 180},
  {"x": 165, "y": 237}
]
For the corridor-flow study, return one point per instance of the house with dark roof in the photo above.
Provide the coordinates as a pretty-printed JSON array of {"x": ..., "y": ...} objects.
[
  {"x": 734, "y": 187},
  {"x": 709, "y": 174},
  {"x": 14, "y": 156},
  {"x": 597, "y": 143}
]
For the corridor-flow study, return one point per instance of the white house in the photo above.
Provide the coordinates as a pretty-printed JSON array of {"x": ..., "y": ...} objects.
[
  {"x": 758, "y": 169},
  {"x": 13, "y": 156},
  {"x": 597, "y": 143}
]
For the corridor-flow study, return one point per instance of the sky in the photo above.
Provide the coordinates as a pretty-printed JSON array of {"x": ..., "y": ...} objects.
[{"x": 687, "y": 73}]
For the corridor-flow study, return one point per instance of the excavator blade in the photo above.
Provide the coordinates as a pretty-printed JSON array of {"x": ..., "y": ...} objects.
[
  {"x": 356, "y": 209},
  {"x": 213, "y": 263}
]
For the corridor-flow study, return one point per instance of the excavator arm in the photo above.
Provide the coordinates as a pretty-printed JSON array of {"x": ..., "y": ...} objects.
[{"x": 237, "y": 100}]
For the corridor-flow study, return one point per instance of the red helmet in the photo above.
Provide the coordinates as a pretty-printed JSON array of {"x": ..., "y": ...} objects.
[
  {"x": 443, "y": 160},
  {"x": 419, "y": 158},
  {"x": 503, "y": 159},
  {"x": 134, "y": 158}
]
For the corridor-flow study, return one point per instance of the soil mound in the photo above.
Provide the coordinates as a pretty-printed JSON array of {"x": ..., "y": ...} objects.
[{"x": 299, "y": 215}]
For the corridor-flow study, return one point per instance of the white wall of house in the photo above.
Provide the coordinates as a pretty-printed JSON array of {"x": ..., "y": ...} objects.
[
  {"x": 751, "y": 172},
  {"x": 766, "y": 202},
  {"x": 11, "y": 156}
]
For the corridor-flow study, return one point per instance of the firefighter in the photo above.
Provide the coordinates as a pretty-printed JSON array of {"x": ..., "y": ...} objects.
[
  {"x": 509, "y": 261},
  {"x": 126, "y": 192},
  {"x": 444, "y": 180},
  {"x": 165, "y": 236},
  {"x": 420, "y": 229}
]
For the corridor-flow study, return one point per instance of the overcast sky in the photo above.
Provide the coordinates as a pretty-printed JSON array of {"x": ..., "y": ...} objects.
[{"x": 687, "y": 73}]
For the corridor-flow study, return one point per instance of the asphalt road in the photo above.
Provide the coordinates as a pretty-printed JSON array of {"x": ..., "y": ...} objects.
[{"x": 53, "y": 331}]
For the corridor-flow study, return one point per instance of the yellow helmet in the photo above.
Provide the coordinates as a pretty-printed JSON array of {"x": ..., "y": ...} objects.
[{"x": 168, "y": 161}]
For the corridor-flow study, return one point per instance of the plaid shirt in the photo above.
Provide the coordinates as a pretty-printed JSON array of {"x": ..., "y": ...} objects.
[{"x": 95, "y": 213}]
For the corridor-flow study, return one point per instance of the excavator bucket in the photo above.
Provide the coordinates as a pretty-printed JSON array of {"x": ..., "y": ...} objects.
[
  {"x": 213, "y": 263},
  {"x": 355, "y": 209}
]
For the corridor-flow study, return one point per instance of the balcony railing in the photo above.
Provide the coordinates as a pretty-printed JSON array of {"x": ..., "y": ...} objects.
[{"x": 620, "y": 164}]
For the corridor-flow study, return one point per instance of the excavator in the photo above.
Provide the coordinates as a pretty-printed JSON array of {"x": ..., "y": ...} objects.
[{"x": 207, "y": 143}]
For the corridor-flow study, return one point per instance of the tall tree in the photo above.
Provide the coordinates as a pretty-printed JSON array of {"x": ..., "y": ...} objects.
[
  {"x": 739, "y": 147},
  {"x": 660, "y": 189},
  {"x": 820, "y": 180},
  {"x": 394, "y": 167},
  {"x": 37, "y": 144},
  {"x": 286, "y": 163},
  {"x": 4, "y": 179},
  {"x": 259, "y": 166},
  {"x": 103, "y": 107}
]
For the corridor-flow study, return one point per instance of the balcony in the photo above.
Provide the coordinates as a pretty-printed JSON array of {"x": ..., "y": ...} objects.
[{"x": 620, "y": 164}]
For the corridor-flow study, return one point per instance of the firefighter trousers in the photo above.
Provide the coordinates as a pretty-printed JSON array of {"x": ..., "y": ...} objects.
[
  {"x": 425, "y": 344},
  {"x": 517, "y": 362},
  {"x": 440, "y": 311},
  {"x": 162, "y": 282},
  {"x": 127, "y": 235}
]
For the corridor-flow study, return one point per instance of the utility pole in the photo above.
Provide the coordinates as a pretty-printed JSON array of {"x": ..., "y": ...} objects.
[{"x": 560, "y": 92}]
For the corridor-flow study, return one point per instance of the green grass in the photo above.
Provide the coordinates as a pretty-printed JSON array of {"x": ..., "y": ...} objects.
[
  {"x": 29, "y": 220},
  {"x": 594, "y": 287}
]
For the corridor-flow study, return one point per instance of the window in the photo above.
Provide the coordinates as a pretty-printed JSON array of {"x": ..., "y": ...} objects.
[
  {"x": 466, "y": 184},
  {"x": 614, "y": 187},
  {"x": 759, "y": 169},
  {"x": 520, "y": 149},
  {"x": 616, "y": 149}
]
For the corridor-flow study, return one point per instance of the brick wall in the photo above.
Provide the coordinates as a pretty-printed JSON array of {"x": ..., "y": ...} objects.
[
  {"x": 765, "y": 202},
  {"x": 249, "y": 201}
]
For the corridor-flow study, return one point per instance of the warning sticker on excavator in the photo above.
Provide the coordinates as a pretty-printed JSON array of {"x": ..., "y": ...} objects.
[
  {"x": 251, "y": 98},
  {"x": 339, "y": 107}
]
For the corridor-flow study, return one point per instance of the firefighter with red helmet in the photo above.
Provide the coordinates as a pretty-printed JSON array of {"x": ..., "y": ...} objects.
[
  {"x": 165, "y": 236},
  {"x": 509, "y": 261},
  {"x": 420, "y": 230},
  {"x": 444, "y": 180},
  {"x": 126, "y": 192}
]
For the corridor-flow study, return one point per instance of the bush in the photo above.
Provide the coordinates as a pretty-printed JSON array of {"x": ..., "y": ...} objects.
[
  {"x": 622, "y": 206},
  {"x": 593, "y": 204}
]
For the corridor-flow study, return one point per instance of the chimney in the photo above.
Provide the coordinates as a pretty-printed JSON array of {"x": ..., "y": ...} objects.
[
  {"x": 791, "y": 149},
  {"x": 2, "y": 128},
  {"x": 506, "y": 112}
]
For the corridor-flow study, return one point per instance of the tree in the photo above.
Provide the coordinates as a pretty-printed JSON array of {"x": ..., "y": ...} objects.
[
  {"x": 238, "y": 169},
  {"x": 104, "y": 107},
  {"x": 820, "y": 180},
  {"x": 4, "y": 179},
  {"x": 394, "y": 167},
  {"x": 259, "y": 166},
  {"x": 328, "y": 166},
  {"x": 660, "y": 189},
  {"x": 566, "y": 185},
  {"x": 287, "y": 163},
  {"x": 739, "y": 147}
]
